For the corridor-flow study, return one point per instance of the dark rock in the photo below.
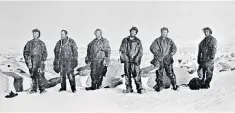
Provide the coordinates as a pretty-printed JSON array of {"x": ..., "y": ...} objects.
[{"x": 18, "y": 84}]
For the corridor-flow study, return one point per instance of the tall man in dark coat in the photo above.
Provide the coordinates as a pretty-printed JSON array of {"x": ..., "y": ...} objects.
[
  {"x": 66, "y": 59},
  {"x": 131, "y": 52},
  {"x": 206, "y": 56},
  {"x": 98, "y": 56},
  {"x": 35, "y": 54},
  {"x": 163, "y": 49}
]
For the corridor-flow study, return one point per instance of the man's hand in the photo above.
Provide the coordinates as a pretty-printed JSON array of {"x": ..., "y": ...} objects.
[
  {"x": 157, "y": 66},
  {"x": 74, "y": 63}
]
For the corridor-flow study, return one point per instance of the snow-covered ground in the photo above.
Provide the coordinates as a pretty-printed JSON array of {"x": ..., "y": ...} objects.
[{"x": 219, "y": 98}]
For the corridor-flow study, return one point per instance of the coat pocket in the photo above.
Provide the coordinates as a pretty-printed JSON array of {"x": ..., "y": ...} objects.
[
  {"x": 56, "y": 66},
  {"x": 123, "y": 58}
]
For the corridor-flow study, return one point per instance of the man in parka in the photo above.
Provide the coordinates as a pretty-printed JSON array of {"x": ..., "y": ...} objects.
[
  {"x": 131, "y": 52},
  {"x": 163, "y": 49},
  {"x": 98, "y": 56},
  {"x": 206, "y": 56},
  {"x": 35, "y": 54},
  {"x": 66, "y": 56}
]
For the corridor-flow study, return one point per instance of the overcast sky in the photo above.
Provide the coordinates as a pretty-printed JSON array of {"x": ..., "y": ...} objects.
[{"x": 185, "y": 21}]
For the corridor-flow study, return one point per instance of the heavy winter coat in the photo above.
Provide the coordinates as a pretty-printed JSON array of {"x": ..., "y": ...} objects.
[
  {"x": 98, "y": 50},
  {"x": 207, "y": 51},
  {"x": 35, "y": 53},
  {"x": 131, "y": 51},
  {"x": 163, "y": 51},
  {"x": 66, "y": 51}
]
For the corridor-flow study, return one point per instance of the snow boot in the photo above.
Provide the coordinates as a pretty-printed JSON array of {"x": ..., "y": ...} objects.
[
  {"x": 31, "y": 91},
  {"x": 158, "y": 88},
  {"x": 11, "y": 95},
  {"x": 43, "y": 91},
  {"x": 141, "y": 91},
  {"x": 205, "y": 86},
  {"x": 74, "y": 91},
  {"x": 62, "y": 89},
  {"x": 63, "y": 84},
  {"x": 128, "y": 90},
  {"x": 89, "y": 88},
  {"x": 73, "y": 88},
  {"x": 175, "y": 87},
  {"x": 33, "y": 88},
  {"x": 93, "y": 87}
]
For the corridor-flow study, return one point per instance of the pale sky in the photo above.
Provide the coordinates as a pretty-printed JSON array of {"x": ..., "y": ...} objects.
[{"x": 185, "y": 21}]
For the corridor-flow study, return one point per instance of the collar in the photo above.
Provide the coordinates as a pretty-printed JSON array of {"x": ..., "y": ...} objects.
[
  {"x": 37, "y": 39},
  {"x": 163, "y": 37},
  {"x": 99, "y": 38},
  {"x": 129, "y": 38}
]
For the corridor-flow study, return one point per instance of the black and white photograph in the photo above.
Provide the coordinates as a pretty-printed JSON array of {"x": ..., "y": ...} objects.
[{"x": 117, "y": 56}]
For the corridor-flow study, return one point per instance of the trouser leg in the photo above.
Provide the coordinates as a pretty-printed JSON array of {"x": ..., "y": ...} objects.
[
  {"x": 170, "y": 73},
  {"x": 36, "y": 64},
  {"x": 136, "y": 75},
  {"x": 201, "y": 73},
  {"x": 102, "y": 74},
  {"x": 209, "y": 74},
  {"x": 94, "y": 75},
  {"x": 128, "y": 81},
  {"x": 40, "y": 81},
  {"x": 63, "y": 80},
  {"x": 159, "y": 79},
  {"x": 72, "y": 81},
  {"x": 34, "y": 83},
  {"x": 65, "y": 69},
  {"x": 99, "y": 82}
]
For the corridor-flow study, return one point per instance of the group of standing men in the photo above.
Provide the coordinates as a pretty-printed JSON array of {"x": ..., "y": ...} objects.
[{"x": 98, "y": 57}]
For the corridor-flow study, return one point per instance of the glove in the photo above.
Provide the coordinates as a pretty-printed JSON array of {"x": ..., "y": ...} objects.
[
  {"x": 168, "y": 59},
  {"x": 157, "y": 65},
  {"x": 123, "y": 58},
  {"x": 74, "y": 63}
]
